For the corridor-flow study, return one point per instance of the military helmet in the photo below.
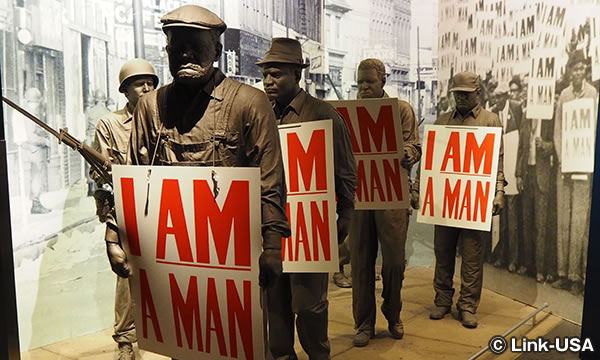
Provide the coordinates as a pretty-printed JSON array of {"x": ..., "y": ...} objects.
[
  {"x": 133, "y": 68},
  {"x": 33, "y": 95}
]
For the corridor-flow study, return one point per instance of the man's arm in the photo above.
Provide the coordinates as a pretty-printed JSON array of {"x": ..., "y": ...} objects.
[
  {"x": 263, "y": 150},
  {"x": 498, "y": 204},
  {"x": 345, "y": 174},
  {"x": 410, "y": 135}
]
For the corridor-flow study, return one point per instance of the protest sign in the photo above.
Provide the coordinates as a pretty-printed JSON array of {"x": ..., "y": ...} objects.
[
  {"x": 542, "y": 81},
  {"x": 550, "y": 23},
  {"x": 193, "y": 238},
  {"x": 595, "y": 47},
  {"x": 307, "y": 150},
  {"x": 376, "y": 133},
  {"x": 458, "y": 176},
  {"x": 578, "y": 135},
  {"x": 525, "y": 38}
]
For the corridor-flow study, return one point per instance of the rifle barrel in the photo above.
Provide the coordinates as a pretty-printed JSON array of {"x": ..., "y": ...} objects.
[{"x": 31, "y": 117}]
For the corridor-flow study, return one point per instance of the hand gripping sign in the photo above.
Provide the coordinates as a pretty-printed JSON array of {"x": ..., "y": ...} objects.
[
  {"x": 458, "y": 176},
  {"x": 307, "y": 150},
  {"x": 193, "y": 238},
  {"x": 376, "y": 132}
]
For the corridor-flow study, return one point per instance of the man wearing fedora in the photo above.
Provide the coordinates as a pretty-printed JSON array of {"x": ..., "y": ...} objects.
[
  {"x": 386, "y": 228},
  {"x": 303, "y": 296},
  {"x": 136, "y": 78},
  {"x": 203, "y": 118},
  {"x": 468, "y": 112}
]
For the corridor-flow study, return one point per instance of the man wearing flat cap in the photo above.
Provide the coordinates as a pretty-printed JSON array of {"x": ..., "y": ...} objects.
[
  {"x": 574, "y": 190},
  {"x": 203, "y": 118},
  {"x": 468, "y": 112},
  {"x": 303, "y": 296}
]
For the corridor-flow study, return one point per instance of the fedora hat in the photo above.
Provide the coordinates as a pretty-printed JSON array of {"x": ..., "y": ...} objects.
[{"x": 285, "y": 51}]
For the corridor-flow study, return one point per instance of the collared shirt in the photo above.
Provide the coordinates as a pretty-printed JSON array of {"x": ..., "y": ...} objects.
[
  {"x": 303, "y": 108},
  {"x": 186, "y": 124},
  {"x": 111, "y": 138},
  {"x": 477, "y": 116}
]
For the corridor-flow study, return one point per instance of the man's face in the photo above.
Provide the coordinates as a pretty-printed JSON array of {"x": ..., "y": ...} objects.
[
  {"x": 279, "y": 82},
  {"x": 191, "y": 54},
  {"x": 578, "y": 73},
  {"x": 515, "y": 92},
  {"x": 370, "y": 85},
  {"x": 466, "y": 100},
  {"x": 137, "y": 87}
]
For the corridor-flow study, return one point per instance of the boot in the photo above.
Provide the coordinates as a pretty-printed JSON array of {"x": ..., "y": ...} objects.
[
  {"x": 38, "y": 208},
  {"x": 125, "y": 351},
  {"x": 341, "y": 280}
]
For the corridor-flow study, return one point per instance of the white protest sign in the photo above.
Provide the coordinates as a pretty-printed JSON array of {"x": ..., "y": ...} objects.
[
  {"x": 578, "y": 135},
  {"x": 525, "y": 38},
  {"x": 307, "y": 151},
  {"x": 376, "y": 133},
  {"x": 551, "y": 18},
  {"x": 595, "y": 46},
  {"x": 542, "y": 81},
  {"x": 458, "y": 176},
  {"x": 193, "y": 238}
]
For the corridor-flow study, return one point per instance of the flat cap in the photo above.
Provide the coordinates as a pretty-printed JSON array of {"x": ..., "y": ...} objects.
[
  {"x": 193, "y": 16},
  {"x": 465, "y": 81}
]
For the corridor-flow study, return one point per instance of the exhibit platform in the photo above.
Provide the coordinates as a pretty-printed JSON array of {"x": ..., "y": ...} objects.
[{"x": 423, "y": 339}]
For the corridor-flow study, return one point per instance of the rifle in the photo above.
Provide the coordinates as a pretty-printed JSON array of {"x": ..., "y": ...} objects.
[{"x": 96, "y": 160}]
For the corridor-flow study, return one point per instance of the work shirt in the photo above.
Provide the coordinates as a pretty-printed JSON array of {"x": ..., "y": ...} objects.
[
  {"x": 224, "y": 123},
  {"x": 477, "y": 116},
  {"x": 303, "y": 108},
  {"x": 111, "y": 139}
]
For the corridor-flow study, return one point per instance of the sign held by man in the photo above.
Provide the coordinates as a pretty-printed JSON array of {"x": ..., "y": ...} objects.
[
  {"x": 376, "y": 134},
  {"x": 193, "y": 240},
  {"x": 458, "y": 176},
  {"x": 307, "y": 152}
]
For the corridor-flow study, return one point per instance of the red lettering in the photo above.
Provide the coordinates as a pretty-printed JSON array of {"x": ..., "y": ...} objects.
[
  {"x": 320, "y": 229},
  {"x": 236, "y": 210},
  {"x": 451, "y": 199},
  {"x": 376, "y": 182},
  {"x": 214, "y": 313},
  {"x": 302, "y": 234},
  {"x": 466, "y": 202},
  {"x": 148, "y": 309},
  {"x": 481, "y": 200},
  {"x": 477, "y": 153},
  {"x": 428, "y": 197},
  {"x": 392, "y": 179},
  {"x": 315, "y": 155},
  {"x": 186, "y": 311},
  {"x": 242, "y": 315},
  {"x": 171, "y": 207},
  {"x": 287, "y": 242},
  {"x": 430, "y": 145},
  {"x": 131, "y": 228},
  {"x": 361, "y": 176},
  {"x": 452, "y": 152},
  {"x": 384, "y": 125},
  {"x": 344, "y": 112}
]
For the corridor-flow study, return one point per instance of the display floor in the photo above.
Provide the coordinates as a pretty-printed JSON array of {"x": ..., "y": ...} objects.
[{"x": 423, "y": 339}]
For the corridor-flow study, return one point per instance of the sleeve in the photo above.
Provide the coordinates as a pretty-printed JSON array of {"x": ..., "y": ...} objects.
[
  {"x": 345, "y": 166},
  {"x": 500, "y": 179},
  {"x": 523, "y": 147},
  {"x": 263, "y": 150},
  {"x": 139, "y": 141},
  {"x": 558, "y": 129},
  {"x": 410, "y": 133},
  {"x": 102, "y": 144}
]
